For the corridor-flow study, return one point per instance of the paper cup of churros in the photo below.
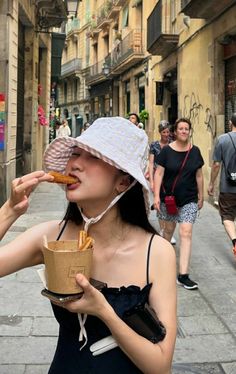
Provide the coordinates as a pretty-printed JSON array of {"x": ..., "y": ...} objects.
[{"x": 64, "y": 259}]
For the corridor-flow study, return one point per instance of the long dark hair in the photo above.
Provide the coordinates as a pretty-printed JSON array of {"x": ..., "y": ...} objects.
[{"x": 131, "y": 207}]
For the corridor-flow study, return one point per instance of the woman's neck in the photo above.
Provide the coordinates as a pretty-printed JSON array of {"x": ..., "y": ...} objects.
[
  {"x": 178, "y": 145},
  {"x": 109, "y": 227},
  {"x": 164, "y": 142}
]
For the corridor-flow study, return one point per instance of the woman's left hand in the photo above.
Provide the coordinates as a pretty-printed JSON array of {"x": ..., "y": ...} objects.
[
  {"x": 92, "y": 302},
  {"x": 200, "y": 204}
]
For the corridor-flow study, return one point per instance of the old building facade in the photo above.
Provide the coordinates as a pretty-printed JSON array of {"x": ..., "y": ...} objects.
[
  {"x": 109, "y": 58},
  {"x": 25, "y": 79},
  {"x": 195, "y": 74},
  {"x": 170, "y": 58}
]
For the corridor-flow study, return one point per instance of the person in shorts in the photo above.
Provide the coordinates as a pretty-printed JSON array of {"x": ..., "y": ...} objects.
[
  {"x": 154, "y": 151},
  {"x": 223, "y": 152},
  {"x": 188, "y": 193}
]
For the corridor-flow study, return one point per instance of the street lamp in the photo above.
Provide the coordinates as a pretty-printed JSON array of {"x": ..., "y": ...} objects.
[
  {"x": 106, "y": 69},
  {"x": 72, "y": 7}
]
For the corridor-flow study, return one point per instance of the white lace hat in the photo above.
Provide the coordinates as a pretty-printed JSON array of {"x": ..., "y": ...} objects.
[{"x": 115, "y": 140}]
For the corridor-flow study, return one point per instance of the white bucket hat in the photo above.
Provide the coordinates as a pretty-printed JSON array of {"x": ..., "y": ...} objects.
[{"x": 115, "y": 140}]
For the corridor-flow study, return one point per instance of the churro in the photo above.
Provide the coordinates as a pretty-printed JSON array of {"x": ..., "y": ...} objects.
[
  {"x": 64, "y": 179},
  {"x": 84, "y": 241}
]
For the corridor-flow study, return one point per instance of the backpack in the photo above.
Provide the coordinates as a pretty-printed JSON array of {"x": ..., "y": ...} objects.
[{"x": 230, "y": 169}]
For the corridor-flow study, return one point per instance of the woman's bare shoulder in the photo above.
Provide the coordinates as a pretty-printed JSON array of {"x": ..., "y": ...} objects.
[{"x": 162, "y": 250}]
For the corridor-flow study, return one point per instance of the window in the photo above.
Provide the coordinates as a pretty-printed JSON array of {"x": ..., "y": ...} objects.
[
  {"x": 125, "y": 17},
  {"x": 127, "y": 94},
  {"x": 75, "y": 89},
  {"x": 65, "y": 92},
  {"x": 106, "y": 44},
  {"x": 141, "y": 98}
]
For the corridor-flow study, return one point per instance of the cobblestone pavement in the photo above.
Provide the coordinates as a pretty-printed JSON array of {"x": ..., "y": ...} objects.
[{"x": 206, "y": 318}]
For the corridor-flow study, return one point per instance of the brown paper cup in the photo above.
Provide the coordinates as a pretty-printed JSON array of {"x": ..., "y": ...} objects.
[{"x": 62, "y": 262}]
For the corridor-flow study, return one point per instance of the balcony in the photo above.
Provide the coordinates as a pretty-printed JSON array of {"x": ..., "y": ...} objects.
[
  {"x": 206, "y": 9},
  {"x": 71, "y": 67},
  {"x": 96, "y": 73},
  {"x": 102, "y": 14},
  {"x": 72, "y": 25},
  {"x": 127, "y": 53},
  {"x": 115, "y": 10},
  {"x": 160, "y": 41}
]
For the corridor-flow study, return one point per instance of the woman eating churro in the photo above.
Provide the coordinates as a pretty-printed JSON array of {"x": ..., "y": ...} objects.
[{"x": 110, "y": 202}]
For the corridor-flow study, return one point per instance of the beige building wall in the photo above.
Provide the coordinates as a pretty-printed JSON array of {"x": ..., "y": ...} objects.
[
  {"x": 35, "y": 137},
  {"x": 199, "y": 59}
]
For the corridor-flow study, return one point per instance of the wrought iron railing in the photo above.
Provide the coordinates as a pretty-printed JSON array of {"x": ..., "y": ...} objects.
[
  {"x": 71, "y": 66},
  {"x": 131, "y": 44}
]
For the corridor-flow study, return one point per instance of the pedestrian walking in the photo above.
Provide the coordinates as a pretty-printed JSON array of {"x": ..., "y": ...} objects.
[
  {"x": 154, "y": 151},
  {"x": 64, "y": 129},
  {"x": 178, "y": 193},
  {"x": 111, "y": 200},
  {"x": 224, "y": 158},
  {"x": 134, "y": 118}
]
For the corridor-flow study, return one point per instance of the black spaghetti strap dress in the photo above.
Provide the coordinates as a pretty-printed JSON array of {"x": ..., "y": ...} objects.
[{"x": 69, "y": 359}]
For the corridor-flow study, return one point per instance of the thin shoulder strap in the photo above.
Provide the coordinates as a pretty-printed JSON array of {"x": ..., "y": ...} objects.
[
  {"x": 148, "y": 257},
  {"x": 62, "y": 230}
]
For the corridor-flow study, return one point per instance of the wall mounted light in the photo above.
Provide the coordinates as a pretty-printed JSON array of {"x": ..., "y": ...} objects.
[{"x": 106, "y": 69}]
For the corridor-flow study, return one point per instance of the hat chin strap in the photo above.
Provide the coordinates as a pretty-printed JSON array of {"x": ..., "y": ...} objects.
[{"x": 92, "y": 220}]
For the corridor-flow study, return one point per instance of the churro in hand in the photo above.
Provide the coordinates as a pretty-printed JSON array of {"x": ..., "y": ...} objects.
[{"x": 60, "y": 178}]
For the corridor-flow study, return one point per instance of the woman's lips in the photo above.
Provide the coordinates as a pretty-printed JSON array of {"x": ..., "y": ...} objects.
[{"x": 73, "y": 186}]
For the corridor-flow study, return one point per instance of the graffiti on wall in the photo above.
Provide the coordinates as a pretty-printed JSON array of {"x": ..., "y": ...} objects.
[{"x": 194, "y": 110}]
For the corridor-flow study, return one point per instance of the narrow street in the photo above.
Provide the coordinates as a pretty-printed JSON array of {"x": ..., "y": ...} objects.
[{"x": 206, "y": 341}]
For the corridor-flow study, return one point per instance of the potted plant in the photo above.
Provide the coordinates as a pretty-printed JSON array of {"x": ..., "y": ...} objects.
[{"x": 144, "y": 115}]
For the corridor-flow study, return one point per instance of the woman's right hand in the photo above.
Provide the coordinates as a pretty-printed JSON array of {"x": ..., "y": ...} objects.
[{"x": 21, "y": 189}]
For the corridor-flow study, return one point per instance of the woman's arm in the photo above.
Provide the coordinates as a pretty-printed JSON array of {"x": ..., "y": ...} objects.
[
  {"x": 18, "y": 202},
  {"x": 26, "y": 249},
  {"x": 148, "y": 357},
  {"x": 150, "y": 168},
  {"x": 200, "y": 186},
  {"x": 158, "y": 177}
]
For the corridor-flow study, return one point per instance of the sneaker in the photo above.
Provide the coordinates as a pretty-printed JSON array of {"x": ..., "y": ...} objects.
[
  {"x": 186, "y": 282},
  {"x": 173, "y": 240}
]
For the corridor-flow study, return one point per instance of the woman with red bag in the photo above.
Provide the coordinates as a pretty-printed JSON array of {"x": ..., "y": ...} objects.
[{"x": 178, "y": 181}]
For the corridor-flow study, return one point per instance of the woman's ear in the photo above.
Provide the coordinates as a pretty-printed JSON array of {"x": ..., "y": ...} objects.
[{"x": 124, "y": 183}]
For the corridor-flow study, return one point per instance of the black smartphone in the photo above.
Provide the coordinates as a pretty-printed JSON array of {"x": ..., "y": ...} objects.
[
  {"x": 60, "y": 297},
  {"x": 143, "y": 320},
  {"x": 63, "y": 298}
]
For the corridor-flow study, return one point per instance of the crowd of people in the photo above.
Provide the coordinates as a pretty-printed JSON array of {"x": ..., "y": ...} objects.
[{"x": 111, "y": 201}]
